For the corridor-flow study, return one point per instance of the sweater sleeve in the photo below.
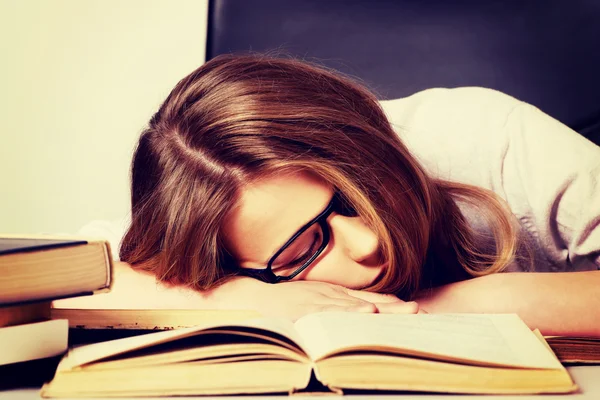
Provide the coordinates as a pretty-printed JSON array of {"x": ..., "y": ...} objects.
[
  {"x": 548, "y": 174},
  {"x": 551, "y": 179}
]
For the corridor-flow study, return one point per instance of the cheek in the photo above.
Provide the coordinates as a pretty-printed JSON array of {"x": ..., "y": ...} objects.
[
  {"x": 330, "y": 269},
  {"x": 337, "y": 269}
]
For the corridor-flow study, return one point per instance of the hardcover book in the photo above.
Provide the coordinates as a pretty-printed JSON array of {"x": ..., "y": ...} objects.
[{"x": 34, "y": 269}]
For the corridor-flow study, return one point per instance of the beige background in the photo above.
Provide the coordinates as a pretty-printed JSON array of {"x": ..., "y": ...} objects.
[{"x": 78, "y": 82}]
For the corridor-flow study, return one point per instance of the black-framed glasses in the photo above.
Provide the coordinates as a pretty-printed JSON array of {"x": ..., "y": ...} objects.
[{"x": 300, "y": 250}]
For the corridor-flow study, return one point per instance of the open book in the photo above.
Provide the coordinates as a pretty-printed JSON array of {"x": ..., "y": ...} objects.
[
  {"x": 87, "y": 322},
  {"x": 453, "y": 353}
]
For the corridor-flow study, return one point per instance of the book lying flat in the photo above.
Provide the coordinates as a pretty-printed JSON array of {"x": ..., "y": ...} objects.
[
  {"x": 25, "y": 313},
  {"x": 33, "y": 341},
  {"x": 585, "y": 350},
  {"x": 45, "y": 268},
  {"x": 448, "y": 353},
  {"x": 146, "y": 319}
]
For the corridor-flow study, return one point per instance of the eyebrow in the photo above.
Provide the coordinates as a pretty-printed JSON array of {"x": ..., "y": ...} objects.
[{"x": 302, "y": 228}]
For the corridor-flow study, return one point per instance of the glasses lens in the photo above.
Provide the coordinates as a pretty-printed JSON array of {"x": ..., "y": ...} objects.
[{"x": 302, "y": 249}]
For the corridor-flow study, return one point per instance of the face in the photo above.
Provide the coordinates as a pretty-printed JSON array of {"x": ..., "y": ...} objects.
[{"x": 271, "y": 211}]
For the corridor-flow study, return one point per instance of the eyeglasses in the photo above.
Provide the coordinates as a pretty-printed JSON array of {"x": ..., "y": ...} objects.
[{"x": 301, "y": 250}]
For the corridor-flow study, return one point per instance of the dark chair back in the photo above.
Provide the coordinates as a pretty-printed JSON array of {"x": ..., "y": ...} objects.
[{"x": 545, "y": 52}]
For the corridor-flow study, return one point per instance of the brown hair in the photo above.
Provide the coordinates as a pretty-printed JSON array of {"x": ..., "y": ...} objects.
[{"x": 239, "y": 118}]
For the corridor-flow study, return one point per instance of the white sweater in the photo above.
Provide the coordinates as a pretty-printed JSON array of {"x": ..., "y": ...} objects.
[{"x": 548, "y": 174}]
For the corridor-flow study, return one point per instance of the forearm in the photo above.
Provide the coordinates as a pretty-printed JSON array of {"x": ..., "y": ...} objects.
[
  {"x": 239, "y": 293},
  {"x": 555, "y": 303},
  {"x": 139, "y": 290}
]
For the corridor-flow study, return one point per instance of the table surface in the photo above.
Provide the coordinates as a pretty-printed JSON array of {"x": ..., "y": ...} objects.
[{"x": 586, "y": 377}]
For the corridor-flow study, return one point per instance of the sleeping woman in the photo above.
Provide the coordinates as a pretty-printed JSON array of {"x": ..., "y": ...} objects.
[{"x": 276, "y": 185}]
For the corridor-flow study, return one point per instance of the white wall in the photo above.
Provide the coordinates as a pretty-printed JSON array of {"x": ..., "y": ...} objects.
[{"x": 78, "y": 82}]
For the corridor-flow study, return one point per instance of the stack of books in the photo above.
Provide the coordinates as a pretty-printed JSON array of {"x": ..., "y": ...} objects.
[{"x": 33, "y": 272}]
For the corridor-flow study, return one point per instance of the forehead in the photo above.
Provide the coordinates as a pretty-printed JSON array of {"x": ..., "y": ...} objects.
[{"x": 270, "y": 211}]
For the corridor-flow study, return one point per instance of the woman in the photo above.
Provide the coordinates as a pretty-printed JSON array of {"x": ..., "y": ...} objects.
[{"x": 258, "y": 170}]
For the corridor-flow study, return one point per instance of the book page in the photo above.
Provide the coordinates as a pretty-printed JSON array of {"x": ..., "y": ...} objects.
[
  {"x": 97, "y": 351},
  {"x": 490, "y": 339}
]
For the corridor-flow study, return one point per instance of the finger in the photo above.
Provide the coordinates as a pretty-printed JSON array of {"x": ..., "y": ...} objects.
[
  {"x": 409, "y": 307},
  {"x": 347, "y": 302},
  {"x": 373, "y": 297},
  {"x": 362, "y": 307}
]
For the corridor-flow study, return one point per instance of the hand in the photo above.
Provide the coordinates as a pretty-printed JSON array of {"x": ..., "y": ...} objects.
[{"x": 296, "y": 299}]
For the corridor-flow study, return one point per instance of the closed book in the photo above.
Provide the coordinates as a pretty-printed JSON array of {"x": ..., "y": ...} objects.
[
  {"x": 576, "y": 350},
  {"x": 45, "y": 268},
  {"x": 33, "y": 341},
  {"x": 98, "y": 325},
  {"x": 24, "y": 313},
  {"x": 146, "y": 319}
]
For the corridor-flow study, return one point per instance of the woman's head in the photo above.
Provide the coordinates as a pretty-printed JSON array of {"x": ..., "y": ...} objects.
[
  {"x": 247, "y": 149},
  {"x": 297, "y": 225}
]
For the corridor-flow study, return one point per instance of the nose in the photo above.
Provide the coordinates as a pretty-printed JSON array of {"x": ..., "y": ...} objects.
[{"x": 359, "y": 242}]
